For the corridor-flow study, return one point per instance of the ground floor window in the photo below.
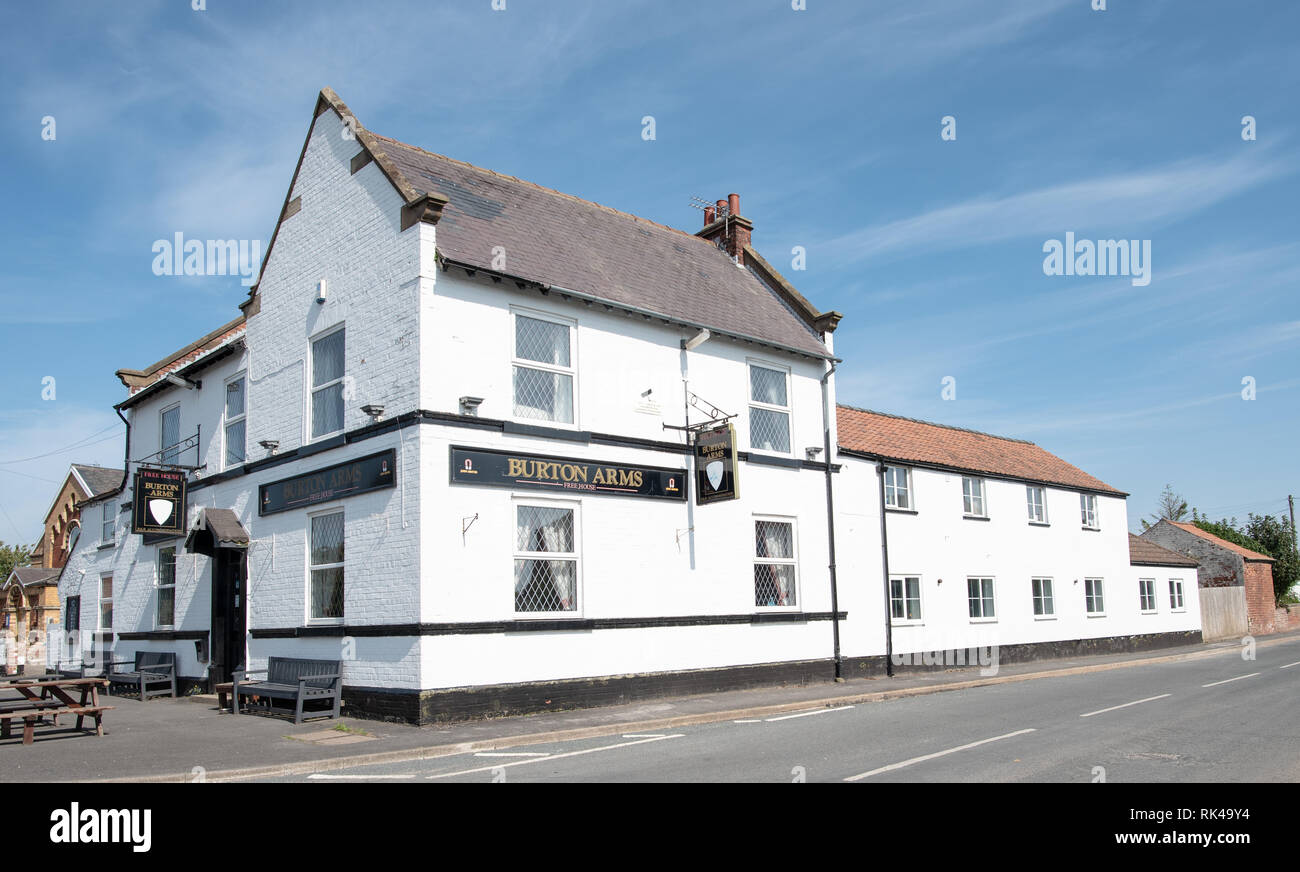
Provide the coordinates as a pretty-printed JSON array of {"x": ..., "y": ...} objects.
[
  {"x": 106, "y": 602},
  {"x": 546, "y": 559},
  {"x": 774, "y": 563},
  {"x": 1093, "y": 601},
  {"x": 979, "y": 596},
  {"x": 72, "y": 620},
  {"x": 1147, "y": 594},
  {"x": 327, "y": 567},
  {"x": 905, "y": 598},
  {"x": 1176, "y": 594},
  {"x": 1044, "y": 602},
  {"x": 166, "y": 613}
]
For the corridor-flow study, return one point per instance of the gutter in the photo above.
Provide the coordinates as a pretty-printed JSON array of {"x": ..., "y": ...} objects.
[
  {"x": 884, "y": 557},
  {"x": 830, "y": 522}
]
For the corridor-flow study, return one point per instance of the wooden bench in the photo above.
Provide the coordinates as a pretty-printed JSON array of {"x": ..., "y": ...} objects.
[
  {"x": 302, "y": 681},
  {"x": 150, "y": 668},
  {"x": 55, "y": 699}
]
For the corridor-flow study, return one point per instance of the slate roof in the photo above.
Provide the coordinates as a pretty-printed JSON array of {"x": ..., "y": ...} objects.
[
  {"x": 197, "y": 353},
  {"x": 908, "y": 440},
  {"x": 30, "y": 575},
  {"x": 98, "y": 478},
  {"x": 1144, "y": 552},
  {"x": 1222, "y": 543}
]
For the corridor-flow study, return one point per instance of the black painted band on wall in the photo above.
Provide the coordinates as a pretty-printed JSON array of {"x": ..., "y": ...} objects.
[{"x": 468, "y": 628}]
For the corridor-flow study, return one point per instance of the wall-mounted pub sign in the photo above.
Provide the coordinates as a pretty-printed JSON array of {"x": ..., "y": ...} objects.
[
  {"x": 359, "y": 476},
  {"x": 564, "y": 474},
  {"x": 158, "y": 502},
  {"x": 715, "y": 465}
]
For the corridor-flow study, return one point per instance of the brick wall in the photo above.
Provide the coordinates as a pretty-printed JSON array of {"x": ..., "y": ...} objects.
[{"x": 1260, "y": 603}]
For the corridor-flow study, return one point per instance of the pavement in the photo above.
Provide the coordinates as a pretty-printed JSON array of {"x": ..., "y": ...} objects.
[{"x": 189, "y": 739}]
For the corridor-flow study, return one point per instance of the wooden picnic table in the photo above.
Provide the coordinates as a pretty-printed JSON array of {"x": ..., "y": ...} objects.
[{"x": 39, "y": 697}]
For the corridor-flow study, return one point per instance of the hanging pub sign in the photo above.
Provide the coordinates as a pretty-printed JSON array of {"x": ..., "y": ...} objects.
[
  {"x": 372, "y": 472},
  {"x": 715, "y": 465},
  {"x": 560, "y": 474},
  {"x": 158, "y": 502}
]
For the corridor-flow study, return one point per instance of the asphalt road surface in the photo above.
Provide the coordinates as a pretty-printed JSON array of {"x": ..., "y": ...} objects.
[{"x": 1212, "y": 719}]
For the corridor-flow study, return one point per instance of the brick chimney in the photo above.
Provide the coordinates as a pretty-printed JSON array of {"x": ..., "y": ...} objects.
[{"x": 725, "y": 228}]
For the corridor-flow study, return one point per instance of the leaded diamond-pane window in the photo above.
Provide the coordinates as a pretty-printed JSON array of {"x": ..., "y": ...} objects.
[
  {"x": 543, "y": 370},
  {"x": 546, "y": 560},
  {"x": 327, "y": 365},
  {"x": 774, "y": 564},
  {"x": 769, "y": 409},
  {"x": 327, "y": 566}
]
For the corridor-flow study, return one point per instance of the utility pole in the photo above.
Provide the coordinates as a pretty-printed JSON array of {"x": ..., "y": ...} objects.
[{"x": 1290, "y": 501}]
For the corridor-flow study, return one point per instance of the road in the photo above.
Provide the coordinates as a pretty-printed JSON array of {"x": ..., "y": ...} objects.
[{"x": 1212, "y": 719}]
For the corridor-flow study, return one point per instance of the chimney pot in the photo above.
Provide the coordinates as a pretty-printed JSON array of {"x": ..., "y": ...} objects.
[
  {"x": 710, "y": 214},
  {"x": 733, "y": 204},
  {"x": 722, "y": 208}
]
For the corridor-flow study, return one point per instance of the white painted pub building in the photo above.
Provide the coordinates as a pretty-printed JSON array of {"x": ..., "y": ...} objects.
[{"x": 499, "y": 449}]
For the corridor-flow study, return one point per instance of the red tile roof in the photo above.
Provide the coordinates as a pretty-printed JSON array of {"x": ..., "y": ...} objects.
[
  {"x": 892, "y": 437},
  {"x": 1222, "y": 543},
  {"x": 1144, "y": 552}
]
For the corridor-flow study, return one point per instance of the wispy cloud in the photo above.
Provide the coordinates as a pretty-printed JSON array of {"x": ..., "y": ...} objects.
[{"x": 1111, "y": 202}]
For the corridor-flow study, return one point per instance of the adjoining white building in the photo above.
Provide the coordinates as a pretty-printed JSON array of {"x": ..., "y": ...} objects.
[
  {"x": 444, "y": 445},
  {"x": 990, "y": 541}
]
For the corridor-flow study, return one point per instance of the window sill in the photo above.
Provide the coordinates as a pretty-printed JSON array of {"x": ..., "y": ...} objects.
[
  {"x": 1150, "y": 612},
  {"x": 324, "y": 622},
  {"x": 1181, "y": 611},
  {"x": 902, "y": 623},
  {"x": 547, "y": 616},
  {"x": 1096, "y": 614},
  {"x": 1039, "y": 524},
  {"x": 1044, "y": 617},
  {"x": 900, "y": 511},
  {"x": 107, "y": 545},
  {"x": 1091, "y": 529},
  {"x": 983, "y": 620},
  {"x": 975, "y": 517}
]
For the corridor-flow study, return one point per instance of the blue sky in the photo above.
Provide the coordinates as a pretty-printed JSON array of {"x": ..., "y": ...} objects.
[{"x": 1119, "y": 124}]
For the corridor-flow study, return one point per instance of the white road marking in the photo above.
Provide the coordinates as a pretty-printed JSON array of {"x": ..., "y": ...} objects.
[
  {"x": 820, "y": 711},
  {"x": 323, "y": 777},
  {"x": 1289, "y": 665},
  {"x": 645, "y": 735},
  {"x": 1125, "y": 705},
  {"x": 511, "y": 754},
  {"x": 748, "y": 721},
  {"x": 892, "y": 766},
  {"x": 550, "y": 757},
  {"x": 1226, "y": 680}
]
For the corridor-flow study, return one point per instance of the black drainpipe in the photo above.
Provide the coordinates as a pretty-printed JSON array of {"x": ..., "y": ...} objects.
[
  {"x": 126, "y": 461},
  {"x": 830, "y": 522},
  {"x": 884, "y": 556}
]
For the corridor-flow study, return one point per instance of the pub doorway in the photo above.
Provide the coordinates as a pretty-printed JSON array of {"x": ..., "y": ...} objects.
[{"x": 229, "y": 614}]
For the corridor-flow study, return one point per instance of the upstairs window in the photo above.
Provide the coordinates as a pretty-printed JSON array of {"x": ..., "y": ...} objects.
[
  {"x": 543, "y": 370},
  {"x": 972, "y": 497},
  {"x": 898, "y": 487},
  {"x": 236, "y": 407},
  {"x": 1088, "y": 510},
  {"x": 110, "y": 522},
  {"x": 769, "y": 409},
  {"x": 327, "y": 361},
  {"x": 1036, "y": 500},
  {"x": 171, "y": 435}
]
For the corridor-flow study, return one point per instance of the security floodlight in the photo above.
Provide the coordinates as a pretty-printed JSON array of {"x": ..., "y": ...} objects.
[
  {"x": 697, "y": 340},
  {"x": 374, "y": 410}
]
